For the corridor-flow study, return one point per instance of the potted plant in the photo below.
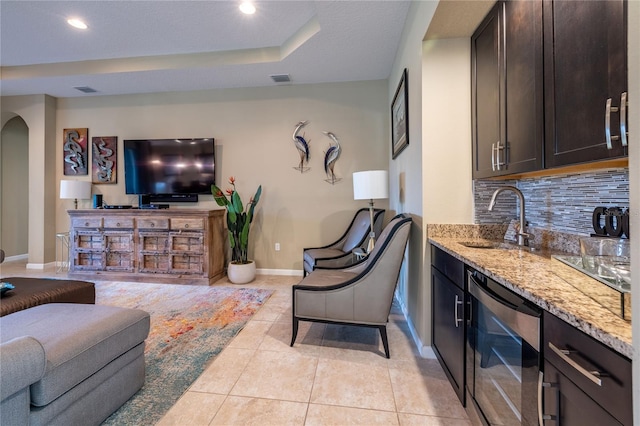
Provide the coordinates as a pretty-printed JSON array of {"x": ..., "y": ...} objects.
[{"x": 240, "y": 270}]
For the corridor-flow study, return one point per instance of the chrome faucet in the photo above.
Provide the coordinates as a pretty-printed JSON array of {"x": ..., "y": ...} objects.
[{"x": 523, "y": 237}]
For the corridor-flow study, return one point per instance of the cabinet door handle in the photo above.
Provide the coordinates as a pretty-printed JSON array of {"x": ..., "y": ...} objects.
[
  {"x": 623, "y": 118},
  {"x": 498, "y": 163},
  {"x": 607, "y": 123},
  {"x": 595, "y": 376},
  {"x": 493, "y": 159},
  {"x": 542, "y": 384},
  {"x": 457, "y": 318}
]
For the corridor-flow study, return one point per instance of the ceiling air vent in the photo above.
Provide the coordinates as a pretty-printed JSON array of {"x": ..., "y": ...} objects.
[
  {"x": 85, "y": 89},
  {"x": 280, "y": 78}
]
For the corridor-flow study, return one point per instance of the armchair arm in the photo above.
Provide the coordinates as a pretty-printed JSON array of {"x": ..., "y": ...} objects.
[
  {"x": 337, "y": 262},
  {"x": 22, "y": 363}
]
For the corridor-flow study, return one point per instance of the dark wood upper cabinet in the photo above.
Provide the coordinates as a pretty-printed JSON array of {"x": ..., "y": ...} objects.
[
  {"x": 585, "y": 50},
  {"x": 507, "y": 90}
]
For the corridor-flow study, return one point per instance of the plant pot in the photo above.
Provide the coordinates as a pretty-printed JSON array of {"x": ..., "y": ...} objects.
[{"x": 239, "y": 273}]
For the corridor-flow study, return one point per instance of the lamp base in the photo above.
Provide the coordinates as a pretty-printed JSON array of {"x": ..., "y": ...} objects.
[
  {"x": 372, "y": 233},
  {"x": 371, "y": 244}
]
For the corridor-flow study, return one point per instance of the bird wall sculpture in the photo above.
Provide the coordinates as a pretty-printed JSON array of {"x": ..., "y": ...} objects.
[
  {"x": 330, "y": 157},
  {"x": 302, "y": 145}
]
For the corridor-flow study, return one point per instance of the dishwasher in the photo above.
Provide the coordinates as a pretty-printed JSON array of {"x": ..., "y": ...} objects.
[{"x": 503, "y": 353}]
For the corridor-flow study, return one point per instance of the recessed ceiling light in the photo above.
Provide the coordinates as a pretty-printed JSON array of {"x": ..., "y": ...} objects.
[
  {"x": 247, "y": 8},
  {"x": 77, "y": 23}
]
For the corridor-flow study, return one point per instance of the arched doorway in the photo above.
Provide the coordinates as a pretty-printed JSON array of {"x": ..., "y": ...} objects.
[{"x": 14, "y": 179}]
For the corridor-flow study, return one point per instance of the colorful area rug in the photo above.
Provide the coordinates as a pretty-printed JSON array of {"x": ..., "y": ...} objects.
[{"x": 190, "y": 325}]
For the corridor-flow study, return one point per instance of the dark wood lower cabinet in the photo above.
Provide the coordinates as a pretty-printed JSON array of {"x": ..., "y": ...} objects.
[
  {"x": 569, "y": 405},
  {"x": 589, "y": 383},
  {"x": 448, "y": 305},
  {"x": 449, "y": 329}
]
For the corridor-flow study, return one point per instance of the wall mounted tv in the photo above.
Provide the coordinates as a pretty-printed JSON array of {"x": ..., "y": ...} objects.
[{"x": 169, "y": 170}]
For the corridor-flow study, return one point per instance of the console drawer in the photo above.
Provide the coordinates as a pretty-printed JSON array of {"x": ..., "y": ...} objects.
[
  {"x": 187, "y": 223},
  {"x": 153, "y": 223},
  {"x": 118, "y": 222},
  {"x": 86, "y": 222}
]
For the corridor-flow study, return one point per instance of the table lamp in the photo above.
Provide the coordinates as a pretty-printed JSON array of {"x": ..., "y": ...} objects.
[
  {"x": 371, "y": 185},
  {"x": 74, "y": 190}
]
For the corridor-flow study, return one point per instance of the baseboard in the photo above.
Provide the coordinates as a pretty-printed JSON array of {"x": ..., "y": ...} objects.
[
  {"x": 289, "y": 272},
  {"x": 40, "y": 265},
  {"x": 16, "y": 257},
  {"x": 425, "y": 351}
]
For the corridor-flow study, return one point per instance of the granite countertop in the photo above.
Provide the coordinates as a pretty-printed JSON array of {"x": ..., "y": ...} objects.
[{"x": 545, "y": 282}]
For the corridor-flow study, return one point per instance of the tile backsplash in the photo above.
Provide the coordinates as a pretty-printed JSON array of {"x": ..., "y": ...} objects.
[{"x": 561, "y": 203}]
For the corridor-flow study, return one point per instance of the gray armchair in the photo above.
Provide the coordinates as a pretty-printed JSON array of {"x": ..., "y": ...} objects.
[
  {"x": 339, "y": 253},
  {"x": 360, "y": 294}
]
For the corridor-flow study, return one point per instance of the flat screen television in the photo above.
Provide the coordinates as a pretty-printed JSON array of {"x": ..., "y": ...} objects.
[{"x": 169, "y": 169}]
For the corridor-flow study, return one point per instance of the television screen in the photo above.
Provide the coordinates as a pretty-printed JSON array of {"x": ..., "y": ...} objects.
[{"x": 169, "y": 166}]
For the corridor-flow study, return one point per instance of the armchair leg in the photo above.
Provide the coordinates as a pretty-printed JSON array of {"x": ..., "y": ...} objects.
[
  {"x": 294, "y": 331},
  {"x": 385, "y": 341}
]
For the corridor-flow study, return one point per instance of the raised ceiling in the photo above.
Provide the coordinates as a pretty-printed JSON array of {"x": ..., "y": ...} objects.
[{"x": 158, "y": 46}]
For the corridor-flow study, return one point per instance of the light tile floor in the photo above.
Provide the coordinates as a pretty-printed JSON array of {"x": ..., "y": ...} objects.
[{"x": 333, "y": 375}]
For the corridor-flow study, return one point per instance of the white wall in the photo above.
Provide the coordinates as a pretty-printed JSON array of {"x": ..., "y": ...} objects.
[
  {"x": 38, "y": 112},
  {"x": 446, "y": 139},
  {"x": 14, "y": 177},
  {"x": 405, "y": 172},
  {"x": 253, "y": 131}
]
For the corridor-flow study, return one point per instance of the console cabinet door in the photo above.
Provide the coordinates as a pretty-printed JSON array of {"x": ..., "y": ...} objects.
[
  {"x": 88, "y": 250},
  {"x": 449, "y": 328},
  {"x": 507, "y": 90},
  {"x": 187, "y": 251},
  {"x": 585, "y": 52}
]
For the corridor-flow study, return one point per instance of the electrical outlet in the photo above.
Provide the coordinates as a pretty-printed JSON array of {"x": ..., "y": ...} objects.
[{"x": 277, "y": 247}]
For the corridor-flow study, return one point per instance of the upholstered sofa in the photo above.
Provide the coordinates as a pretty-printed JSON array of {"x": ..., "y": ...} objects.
[{"x": 69, "y": 364}]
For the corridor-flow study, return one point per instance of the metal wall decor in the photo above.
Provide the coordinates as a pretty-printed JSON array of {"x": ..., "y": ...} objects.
[
  {"x": 330, "y": 157},
  {"x": 302, "y": 145},
  {"x": 75, "y": 152},
  {"x": 104, "y": 155},
  {"x": 400, "y": 117}
]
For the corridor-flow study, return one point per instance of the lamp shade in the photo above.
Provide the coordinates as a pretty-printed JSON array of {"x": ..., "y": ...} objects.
[
  {"x": 75, "y": 189},
  {"x": 371, "y": 185}
]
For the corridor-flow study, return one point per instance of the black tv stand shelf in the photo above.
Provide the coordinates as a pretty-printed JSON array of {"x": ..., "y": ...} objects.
[
  {"x": 154, "y": 199},
  {"x": 154, "y": 206}
]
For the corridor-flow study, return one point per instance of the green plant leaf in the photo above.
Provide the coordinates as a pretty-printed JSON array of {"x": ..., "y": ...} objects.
[
  {"x": 237, "y": 202},
  {"x": 256, "y": 197},
  {"x": 219, "y": 196}
]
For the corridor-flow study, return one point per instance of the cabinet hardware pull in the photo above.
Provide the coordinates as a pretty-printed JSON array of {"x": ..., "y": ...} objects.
[
  {"x": 498, "y": 163},
  {"x": 458, "y": 302},
  {"x": 542, "y": 384},
  {"x": 607, "y": 123},
  {"x": 595, "y": 376},
  {"x": 623, "y": 118},
  {"x": 493, "y": 160}
]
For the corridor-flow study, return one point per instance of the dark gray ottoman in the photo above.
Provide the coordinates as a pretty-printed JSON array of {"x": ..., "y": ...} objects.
[{"x": 94, "y": 359}]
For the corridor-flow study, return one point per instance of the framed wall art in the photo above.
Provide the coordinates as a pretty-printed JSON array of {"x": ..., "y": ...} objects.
[
  {"x": 104, "y": 156},
  {"x": 75, "y": 152},
  {"x": 400, "y": 117}
]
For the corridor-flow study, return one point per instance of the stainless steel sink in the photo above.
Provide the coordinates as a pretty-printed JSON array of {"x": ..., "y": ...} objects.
[
  {"x": 489, "y": 245},
  {"x": 499, "y": 245}
]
